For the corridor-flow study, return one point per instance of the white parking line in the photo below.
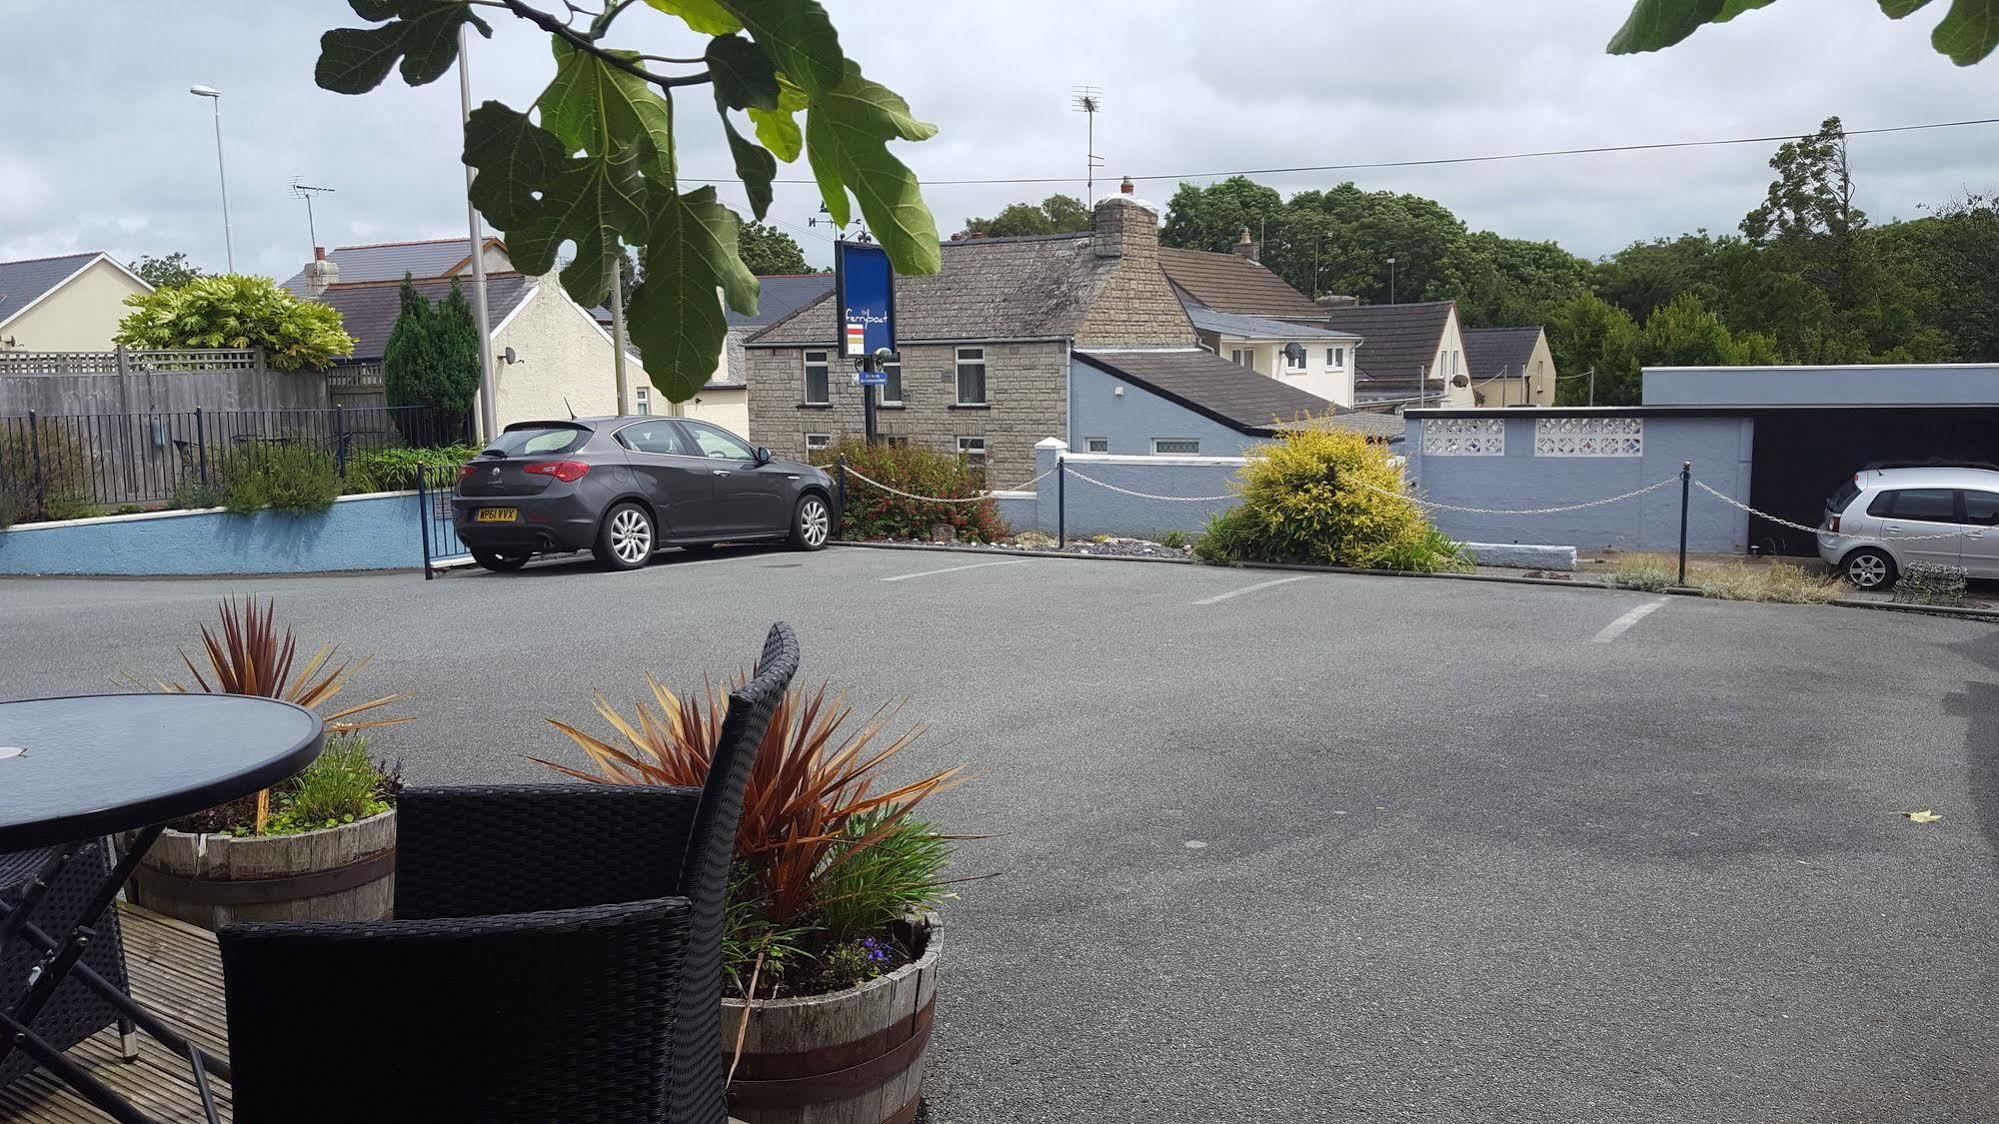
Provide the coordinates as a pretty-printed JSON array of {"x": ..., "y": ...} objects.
[
  {"x": 1616, "y": 628},
  {"x": 1249, "y": 589},
  {"x": 953, "y": 569}
]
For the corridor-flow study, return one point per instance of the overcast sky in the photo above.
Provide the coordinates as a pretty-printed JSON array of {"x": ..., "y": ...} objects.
[{"x": 106, "y": 150}]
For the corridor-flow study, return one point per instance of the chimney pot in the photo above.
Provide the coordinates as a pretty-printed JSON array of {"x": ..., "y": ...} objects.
[
  {"x": 319, "y": 253},
  {"x": 1125, "y": 188},
  {"x": 1245, "y": 248}
]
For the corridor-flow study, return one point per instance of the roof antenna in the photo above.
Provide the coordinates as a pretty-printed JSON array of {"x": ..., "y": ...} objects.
[{"x": 567, "y": 406}]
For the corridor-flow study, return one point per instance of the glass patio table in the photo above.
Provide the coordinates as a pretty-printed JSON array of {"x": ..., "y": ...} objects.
[{"x": 73, "y": 770}]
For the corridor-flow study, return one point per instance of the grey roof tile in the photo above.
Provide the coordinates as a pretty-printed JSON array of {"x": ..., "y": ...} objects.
[
  {"x": 388, "y": 261},
  {"x": 368, "y": 310},
  {"x": 1233, "y": 283},
  {"x": 1491, "y": 352},
  {"x": 988, "y": 288},
  {"x": 1257, "y": 327},
  {"x": 1401, "y": 339},
  {"x": 21, "y": 282},
  {"x": 782, "y": 294},
  {"x": 1209, "y": 385}
]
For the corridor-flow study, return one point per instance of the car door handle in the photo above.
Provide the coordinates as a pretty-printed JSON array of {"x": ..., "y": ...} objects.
[{"x": 719, "y": 471}]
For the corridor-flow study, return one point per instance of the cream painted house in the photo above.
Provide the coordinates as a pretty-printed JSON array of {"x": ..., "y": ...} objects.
[
  {"x": 1318, "y": 361},
  {"x": 1510, "y": 366},
  {"x": 563, "y": 359},
  {"x": 1405, "y": 343},
  {"x": 70, "y": 303}
]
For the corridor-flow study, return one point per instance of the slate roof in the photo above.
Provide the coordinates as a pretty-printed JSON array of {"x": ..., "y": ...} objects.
[
  {"x": 1257, "y": 327},
  {"x": 1401, "y": 339},
  {"x": 388, "y": 261},
  {"x": 1212, "y": 386},
  {"x": 1491, "y": 352},
  {"x": 1233, "y": 283},
  {"x": 1381, "y": 427},
  {"x": 782, "y": 295},
  {"x": 988, "y": 288},
  {"x": 368, "y": 309},
  {"x": 22, "y": 282}
]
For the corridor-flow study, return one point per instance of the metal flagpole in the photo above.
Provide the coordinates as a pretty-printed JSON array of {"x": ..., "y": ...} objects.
[{"x": 489, "y": 424}]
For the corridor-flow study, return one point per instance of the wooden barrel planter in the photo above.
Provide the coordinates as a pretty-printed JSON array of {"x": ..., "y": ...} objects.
[
  {"x": 850, "y": 1057},
  {"x": 345, "y": 873}
]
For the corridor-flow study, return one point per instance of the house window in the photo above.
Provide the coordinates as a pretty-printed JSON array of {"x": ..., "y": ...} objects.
[
  {"x": 971, "y": 376},
  {"x": 818, "y": 389},
  {"x": 1243, "y": 357},
  {"x": 1336, "y": 357},
  {"x": 973, "y": 449},
  {"x": 1097, "y": 444},
  {"x": 891, "y": 391},
  {"x": 642, "y": 400},
  {"x": 1294, "y": 359},
  {"x": 1175, "y": 447},
  {"x": 818, "y": 442}
]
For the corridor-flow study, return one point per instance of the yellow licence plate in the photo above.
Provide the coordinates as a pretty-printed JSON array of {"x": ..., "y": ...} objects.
[{"x": 496, "y": 515}]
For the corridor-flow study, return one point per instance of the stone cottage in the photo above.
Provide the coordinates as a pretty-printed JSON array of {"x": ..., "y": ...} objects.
[{"x": 986, "y": 344}]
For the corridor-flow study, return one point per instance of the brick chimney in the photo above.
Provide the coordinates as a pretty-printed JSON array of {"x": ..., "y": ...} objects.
[
  {"x": 1125, "y": 226},
  {"x": 320, "y": 273},
  {"x": 1246, "y": 248},
  {"x": 1336, "y": 300}
]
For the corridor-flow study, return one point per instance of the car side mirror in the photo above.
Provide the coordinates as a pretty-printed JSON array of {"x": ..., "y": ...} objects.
[{"x": 763, "y": 455}]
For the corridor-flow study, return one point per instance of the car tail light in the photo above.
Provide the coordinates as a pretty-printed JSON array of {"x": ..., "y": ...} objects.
[
  {"x": 464, "y": 470},
  {"x": 1833, "y": 525},
  {"x": 566, "y": 471}
]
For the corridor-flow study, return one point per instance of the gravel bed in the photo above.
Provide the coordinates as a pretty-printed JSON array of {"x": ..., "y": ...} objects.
[{"x": 1042, "y": 544}]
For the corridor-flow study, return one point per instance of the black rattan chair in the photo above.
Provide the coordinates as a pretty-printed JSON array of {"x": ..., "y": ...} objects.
[
  {"x": 74, "y": 1012},
  {"x": 481, "y": 863}
]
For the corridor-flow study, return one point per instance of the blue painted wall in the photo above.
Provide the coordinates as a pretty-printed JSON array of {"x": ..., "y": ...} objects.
[
  {"x": 1132, "y": 420},
  {"x": 356, "y": 533},
  {"x": 1095, "y": 510},
  {"x": 1720, "y": 448},
  {"x": 1886, "y": 384}
]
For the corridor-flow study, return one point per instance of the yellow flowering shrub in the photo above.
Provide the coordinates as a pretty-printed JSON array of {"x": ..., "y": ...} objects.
[{"x": 1326, "y": 497}]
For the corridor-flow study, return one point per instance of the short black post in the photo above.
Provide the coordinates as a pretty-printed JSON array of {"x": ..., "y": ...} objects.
[
  {"x": 201, "y": 444},
  {"x": 423, "y": 518},
  {"x": 35, "y": 444},
  {"x": 1061, "y": 505},
  {"x": 340, "y": 441},
  {"x": 1686, "y": 490},
  {"x": 840, "y": 495}
]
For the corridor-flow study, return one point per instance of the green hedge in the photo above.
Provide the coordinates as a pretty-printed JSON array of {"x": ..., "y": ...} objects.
[{"x": 872, "y": 513}]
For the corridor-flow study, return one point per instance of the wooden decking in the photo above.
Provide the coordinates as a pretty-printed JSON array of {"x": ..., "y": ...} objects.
[{"x": 177, "y": 974}]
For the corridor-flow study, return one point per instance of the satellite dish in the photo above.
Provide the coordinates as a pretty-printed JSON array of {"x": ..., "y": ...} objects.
[
  {"x": 1295, "y": 353},
  {"x": 509, "y": 357},
  {"x": 884, "y": 355},
  {"x": 1461, "y": 380}
]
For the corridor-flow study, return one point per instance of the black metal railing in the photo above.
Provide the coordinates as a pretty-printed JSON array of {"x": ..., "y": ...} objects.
[{"x": 69, "y": 465}]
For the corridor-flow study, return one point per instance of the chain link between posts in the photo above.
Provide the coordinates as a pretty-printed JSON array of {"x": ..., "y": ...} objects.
[
  {"x": 1820, "y": 530},
  {"x": 980, "y": 498},
  {"x": 1146, "y": 495},
  {"x": 1433, "y": 506}
]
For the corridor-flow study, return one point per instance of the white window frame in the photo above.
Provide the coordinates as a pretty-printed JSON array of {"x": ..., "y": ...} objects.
[
  {"x": 1194, "y": 441},
  {"x": 818, "y": 442},
  {"x": 1243, "y": 357},
  {"x": 642, "y": 400},
  {"x": 1336, "y": 358},
  {"x": 895, "y": 366},
  {"x": 973, "y": 455},
  {"x": 961, "y": 362},
  {"x": 825, "y": 370},
  {"x": 1299, "y": 368},
  {"x": 1096, "y": 444}
]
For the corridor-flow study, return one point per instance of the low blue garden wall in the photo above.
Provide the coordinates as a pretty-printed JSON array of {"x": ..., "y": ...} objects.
[
  {"x": 371, "y": 532},
  {"x": 1092, "y": 509}
]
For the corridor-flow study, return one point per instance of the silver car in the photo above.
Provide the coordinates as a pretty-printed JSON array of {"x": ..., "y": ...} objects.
[{"x": 1885, "y": 520}]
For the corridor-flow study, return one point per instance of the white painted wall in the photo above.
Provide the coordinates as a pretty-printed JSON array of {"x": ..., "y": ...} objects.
[
  {"x": 81, "y": 314},
  {"x": 1320, "y": 376}
]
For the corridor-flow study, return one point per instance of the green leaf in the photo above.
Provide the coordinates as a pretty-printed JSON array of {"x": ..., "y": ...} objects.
[
  {"x": 598, "y": 107},
  {"x": 754, "y": 166},
  {"x": 1657, "y": 24},
  {"x": 1734, "y": 8},
  {"x": 847, "y": 131},
  {"x": 1896, "y": 9},
  {"x": 675, "y": 320},
  {"x": 423, "y": 33},
  {"x": 798, "y": 36},
  {"x": 515, "y": 158},
  {"x": 591, "y": 201},
  {"x": 743, "y": 74},
  {"x": 779, "y": 132},
  {"x": 1969, "y": 32},
  {"x": 705, "y": 16}
]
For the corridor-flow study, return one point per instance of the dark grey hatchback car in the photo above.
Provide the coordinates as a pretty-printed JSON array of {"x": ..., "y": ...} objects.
[{"x": 624, "y": 487}]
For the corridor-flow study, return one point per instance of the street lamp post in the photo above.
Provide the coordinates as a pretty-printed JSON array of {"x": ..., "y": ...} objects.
[
  {"x": 221, "y": 175},
  {"x": 1391, "y": 280}
]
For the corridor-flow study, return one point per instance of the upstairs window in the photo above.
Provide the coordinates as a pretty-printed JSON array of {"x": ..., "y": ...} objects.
[
  {"x": 971, "y": 376},
  {"x": 818, "y": 388}
]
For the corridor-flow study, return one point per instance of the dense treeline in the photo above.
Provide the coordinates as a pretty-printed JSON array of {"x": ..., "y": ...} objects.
[{"x": 1805, "y": 279}]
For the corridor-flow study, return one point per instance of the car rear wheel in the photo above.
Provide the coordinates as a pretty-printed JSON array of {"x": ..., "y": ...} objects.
[
  {"x": 625, "y": 539},
  {"x": 811, "y": 523},
  {"x": 501, "y": 561},
  {"x": 1868, "y": 568}
]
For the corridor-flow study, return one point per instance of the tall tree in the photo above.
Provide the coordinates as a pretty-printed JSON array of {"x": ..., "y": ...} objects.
[
  {"x": 1211, "y": 217},
  {"x": 595, "y": 167},
  {"x": 166, "y": 270},
  {"x": 458, "y": 347},
  {"x": 1587, "y": 333},
  {"x": 767, "y": 250},
  {"x": 1057, "y": 214}
]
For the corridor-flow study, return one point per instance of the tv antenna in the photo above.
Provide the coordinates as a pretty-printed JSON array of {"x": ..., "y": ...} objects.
[
  {"x": 1089, "y": 101},
  {"x": 306, "y": 191}
]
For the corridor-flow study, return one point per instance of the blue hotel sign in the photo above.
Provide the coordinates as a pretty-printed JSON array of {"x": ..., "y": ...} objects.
[{"x": 864, "y": 291}]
